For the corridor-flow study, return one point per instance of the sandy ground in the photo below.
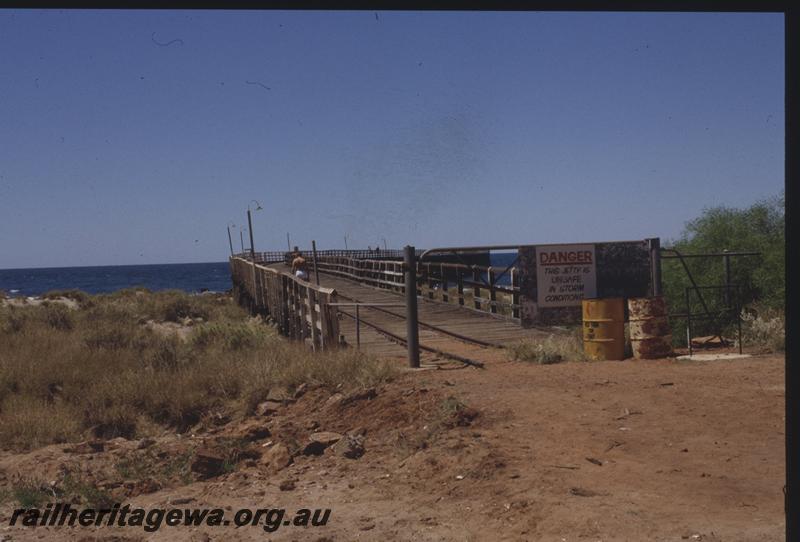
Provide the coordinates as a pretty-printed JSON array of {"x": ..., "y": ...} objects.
[{"x": 631, "y": 450}]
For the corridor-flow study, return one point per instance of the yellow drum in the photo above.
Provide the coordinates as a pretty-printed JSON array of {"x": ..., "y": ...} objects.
[{"x": 604, "y": 328}]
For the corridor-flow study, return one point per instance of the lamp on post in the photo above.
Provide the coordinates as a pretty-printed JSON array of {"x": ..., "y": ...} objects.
[{"x": 250, "y": 226}]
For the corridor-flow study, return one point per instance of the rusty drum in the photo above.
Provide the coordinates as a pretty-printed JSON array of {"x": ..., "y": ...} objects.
[
  {"x": 604, "y": 328},
  {"x": 651, "y": 336}
]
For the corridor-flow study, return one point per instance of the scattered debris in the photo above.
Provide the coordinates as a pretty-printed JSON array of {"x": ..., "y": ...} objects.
[
  {"x": 626, "y": 413},
  {"x": 595, "y": 461},
  {"x": 582, "y": 492},
  {"x": 710, "y": 342}
]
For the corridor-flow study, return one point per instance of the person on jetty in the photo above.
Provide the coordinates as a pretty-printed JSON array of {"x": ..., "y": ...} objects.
[{"x": 299, "y": 265}]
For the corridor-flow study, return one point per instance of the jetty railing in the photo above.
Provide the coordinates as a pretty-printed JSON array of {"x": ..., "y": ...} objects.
[
  {"x": 493, "y": 290},
  {"x": 474, "y": 287},
  {"x": 285, "y": 256},
  {"x": 301, "y": 310}
]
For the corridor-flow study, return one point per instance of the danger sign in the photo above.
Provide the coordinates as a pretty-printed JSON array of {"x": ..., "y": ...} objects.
[{"x": 565, "y": 274}]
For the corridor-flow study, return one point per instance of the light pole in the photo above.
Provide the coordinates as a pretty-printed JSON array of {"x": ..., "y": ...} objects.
[
  {"x": 241, "y": 237},
  {"x": 257, "y": 295},
  {"x": 384, "y": 243},
  {"x": 345, "y": 241},
  {"x": 230, "y": 242}
]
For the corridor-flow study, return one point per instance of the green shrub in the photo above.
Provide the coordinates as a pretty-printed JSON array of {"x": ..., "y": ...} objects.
[
  {"x": 758, "y": 228},
  {"x": 30, "y": 494}
]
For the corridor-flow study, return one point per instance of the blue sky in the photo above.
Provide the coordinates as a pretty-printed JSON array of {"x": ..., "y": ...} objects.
[{"x": 131, "y": 137}]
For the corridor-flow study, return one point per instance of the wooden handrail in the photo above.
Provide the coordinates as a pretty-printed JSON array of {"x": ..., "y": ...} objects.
[
  {"x": 301, "y": 310},
  {"x": 435, "y": 282}
]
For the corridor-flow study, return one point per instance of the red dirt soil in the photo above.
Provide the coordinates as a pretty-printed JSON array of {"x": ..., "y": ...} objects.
[{"x": 631, "y": 450}]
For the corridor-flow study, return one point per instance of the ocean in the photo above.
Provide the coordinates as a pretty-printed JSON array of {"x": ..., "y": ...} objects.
[{"x": 189, "y": 277}]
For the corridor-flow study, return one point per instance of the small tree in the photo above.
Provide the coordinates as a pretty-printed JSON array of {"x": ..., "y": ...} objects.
[{"x": 760, "y": 227}]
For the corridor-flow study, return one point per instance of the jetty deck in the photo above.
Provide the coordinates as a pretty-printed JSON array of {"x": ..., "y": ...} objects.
[{"x": 446, "y": 327}]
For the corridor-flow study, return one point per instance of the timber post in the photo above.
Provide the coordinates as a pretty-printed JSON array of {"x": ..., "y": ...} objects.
[
  {"x": 655, "y": 264},
  {"x": 412, "y": 323}
]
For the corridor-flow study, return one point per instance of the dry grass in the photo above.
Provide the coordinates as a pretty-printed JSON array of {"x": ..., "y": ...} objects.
[
  {"x": 77, "y": 295},
  {"x": 551, "y": 349},
  {"x": 100, "y": 371},
  {"x": 765, "y": 328}
]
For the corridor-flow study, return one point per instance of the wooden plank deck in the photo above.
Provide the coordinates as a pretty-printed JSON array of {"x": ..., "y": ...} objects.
[{"x": 449, "y": 317}]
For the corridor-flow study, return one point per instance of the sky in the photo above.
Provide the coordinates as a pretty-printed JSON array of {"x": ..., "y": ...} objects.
[{"x": 135, "y": 137}]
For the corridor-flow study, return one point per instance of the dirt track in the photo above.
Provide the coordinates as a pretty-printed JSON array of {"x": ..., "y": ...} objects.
[{"x": 633, "y": 450}]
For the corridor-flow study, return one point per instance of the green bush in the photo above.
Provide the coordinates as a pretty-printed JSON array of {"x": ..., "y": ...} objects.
[
  {"x": 761, "y": 279},
  {"x": 759, "y": 228}
]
